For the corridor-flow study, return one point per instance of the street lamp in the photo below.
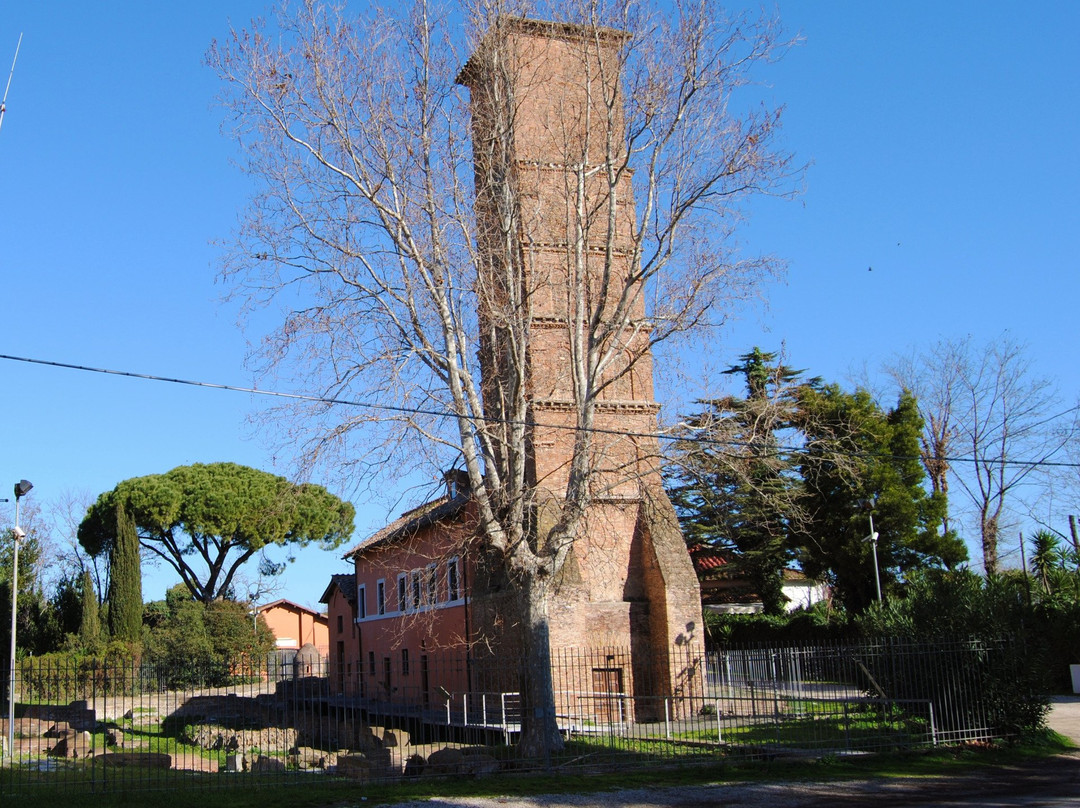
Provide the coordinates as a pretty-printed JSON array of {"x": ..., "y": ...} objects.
[
  {"x": 22, "y": 488},
  {"x": 869, "y": 505},
  {"x": 872, "y": 538}
]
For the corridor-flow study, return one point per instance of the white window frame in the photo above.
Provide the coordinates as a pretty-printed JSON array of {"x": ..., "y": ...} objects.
[
  {"x": 431, "y": 584},
  {"x": 453, "y": 587},
  {"x": 361, "y": 602},
  {"x": 380, "y": 596},
  {"x": 416, "y": 590}
]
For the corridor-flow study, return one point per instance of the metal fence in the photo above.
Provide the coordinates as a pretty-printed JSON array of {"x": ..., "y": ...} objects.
[{"x": 89, "y": 725}]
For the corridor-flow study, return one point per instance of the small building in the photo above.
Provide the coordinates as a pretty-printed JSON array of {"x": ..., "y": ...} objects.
[
  {"x": 725, "y": 593},
  {"x": 344, "y": 640},
  {"x": 295, "y": 626}
]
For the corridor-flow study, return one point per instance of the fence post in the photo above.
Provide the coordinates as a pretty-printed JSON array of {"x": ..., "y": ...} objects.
[
  {"x": 933, "y": 728},
  {"x": 847, "y": 727},
  {"x": 505, "y": 724},
  {"x": 93, "y": 700},
  {"x": 667, "y": 717}
]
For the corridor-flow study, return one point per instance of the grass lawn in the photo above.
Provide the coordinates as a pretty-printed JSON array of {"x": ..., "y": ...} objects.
[{"x": 318, "y": 791}]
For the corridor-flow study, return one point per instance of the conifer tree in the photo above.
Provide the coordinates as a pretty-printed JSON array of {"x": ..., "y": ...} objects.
[
  {"x": 90, "y": 622},
  {"x": 736, "y": 491},
  {"x": 125, "y": 581},
  {"x": 860, "y": 461}
]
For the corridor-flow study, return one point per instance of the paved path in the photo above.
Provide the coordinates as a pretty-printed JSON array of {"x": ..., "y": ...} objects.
[{"x": 1065, "y": 717}]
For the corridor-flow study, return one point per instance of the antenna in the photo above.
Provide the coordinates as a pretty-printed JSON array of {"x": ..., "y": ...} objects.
[{"x": 3, "y": 103}]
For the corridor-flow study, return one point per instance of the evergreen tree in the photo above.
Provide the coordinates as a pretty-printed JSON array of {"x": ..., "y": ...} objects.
[
  {"x": 125, "y": 581},
  {"x": 221, "y": 514},
  {"x": 859, "y": 461},
  {"x": 36, "y": 625},
  {"x": 66, "y": 604},
  {"x": 734, "y": 486},
  {"x": 90, "y": 624},
  {"x": 206, "y": 643}
]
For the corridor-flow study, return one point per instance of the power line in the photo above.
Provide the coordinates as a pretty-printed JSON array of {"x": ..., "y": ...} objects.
[{"x": 315, "y": 399}]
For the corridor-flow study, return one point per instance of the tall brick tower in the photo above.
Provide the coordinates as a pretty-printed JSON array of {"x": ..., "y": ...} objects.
[{"x": 552, "y": 182}]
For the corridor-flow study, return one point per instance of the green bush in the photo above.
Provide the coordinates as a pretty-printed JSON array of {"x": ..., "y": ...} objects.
[
  {"x": 68, "y": 676},
  {"x": 192, "y": 643},
  {"x": 818, "y": 624}
]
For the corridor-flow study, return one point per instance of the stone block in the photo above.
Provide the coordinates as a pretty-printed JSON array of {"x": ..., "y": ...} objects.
[
  {"x": 264, "y": 763},
  {"x": 445, "y": 761},
  {"x": 355, "y": 767}
]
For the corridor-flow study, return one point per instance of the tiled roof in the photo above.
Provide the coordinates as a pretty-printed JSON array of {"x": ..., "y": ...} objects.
[
  {"x": 706, "y": 559},
  {"x": 346, "y": 584},
  {"x": 411, "y": 521},
  {"x": 288, "y": 604}
]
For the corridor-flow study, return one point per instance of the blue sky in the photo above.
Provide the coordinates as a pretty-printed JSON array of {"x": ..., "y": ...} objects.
[{"x": 942, "y": 143}]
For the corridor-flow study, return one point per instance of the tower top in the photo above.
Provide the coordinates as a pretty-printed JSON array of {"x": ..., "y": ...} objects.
[{"x": 506, "y": 26}]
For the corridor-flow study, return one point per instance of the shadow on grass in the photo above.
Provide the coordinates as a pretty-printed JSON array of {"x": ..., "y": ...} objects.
[{"x": 87, "y": 785}]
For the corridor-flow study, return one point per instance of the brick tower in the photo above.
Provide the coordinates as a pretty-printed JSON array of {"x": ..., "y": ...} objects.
[{"x": 549, "y": 145}]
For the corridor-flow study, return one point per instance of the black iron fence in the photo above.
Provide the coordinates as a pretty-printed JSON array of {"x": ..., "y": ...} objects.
[{"x": 91, "y": 725}]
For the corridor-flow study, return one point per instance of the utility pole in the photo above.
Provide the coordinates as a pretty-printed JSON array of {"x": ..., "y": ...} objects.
[{"x": 3, "y": 103}]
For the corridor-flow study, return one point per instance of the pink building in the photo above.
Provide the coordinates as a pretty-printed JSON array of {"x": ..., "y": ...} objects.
[
  {"x": 294, "y": 626},
  {"x": 404, "y": 604}
]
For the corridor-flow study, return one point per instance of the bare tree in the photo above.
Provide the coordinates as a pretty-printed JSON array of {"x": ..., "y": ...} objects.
[
  {"x": 413, "y": 250},
  {"x": 66, "y": 511},
  {"x": 934, "y": 379},
  {"x": 989, "y": 421}
]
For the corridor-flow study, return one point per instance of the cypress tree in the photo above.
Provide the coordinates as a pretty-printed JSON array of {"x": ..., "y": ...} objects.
[
  {"x": 90, "y": 622},
  {"x": 125, "y": 581}
]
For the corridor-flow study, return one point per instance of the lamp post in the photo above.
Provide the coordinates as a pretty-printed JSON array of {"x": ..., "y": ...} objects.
[
  {"x": 22, "y": 488},
  {"x": 872, "y": 538}
]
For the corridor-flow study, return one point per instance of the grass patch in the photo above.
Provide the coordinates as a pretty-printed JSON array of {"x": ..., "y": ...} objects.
[{"x": 178, "y": 789}]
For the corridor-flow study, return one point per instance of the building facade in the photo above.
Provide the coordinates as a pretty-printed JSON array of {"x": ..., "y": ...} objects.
[{"x": 295, "y": 626}]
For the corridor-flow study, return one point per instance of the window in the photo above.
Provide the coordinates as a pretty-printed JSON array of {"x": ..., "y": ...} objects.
[
  {"x": 404, "y": 661},
  {"x": 380, "y": 597},
  {"x": 361, "y": 602},
  {"x": 432, "y": 585},
  {"x": 340, "y": 624},
  {"x": 371, "y": 662},
  {"x": 416, "y": 589},
  {"x": 453, "y": 590},
  {"x": 401, "y": 602}
]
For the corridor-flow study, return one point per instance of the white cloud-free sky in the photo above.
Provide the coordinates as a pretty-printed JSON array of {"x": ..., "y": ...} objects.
[{"x": 942, "y": 143}]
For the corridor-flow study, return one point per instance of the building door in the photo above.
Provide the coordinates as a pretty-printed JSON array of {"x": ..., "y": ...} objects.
[{"x": 608, "y": 695}]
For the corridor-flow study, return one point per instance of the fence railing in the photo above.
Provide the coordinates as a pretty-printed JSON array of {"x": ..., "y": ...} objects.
[{"x": 98, "y": 726}]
